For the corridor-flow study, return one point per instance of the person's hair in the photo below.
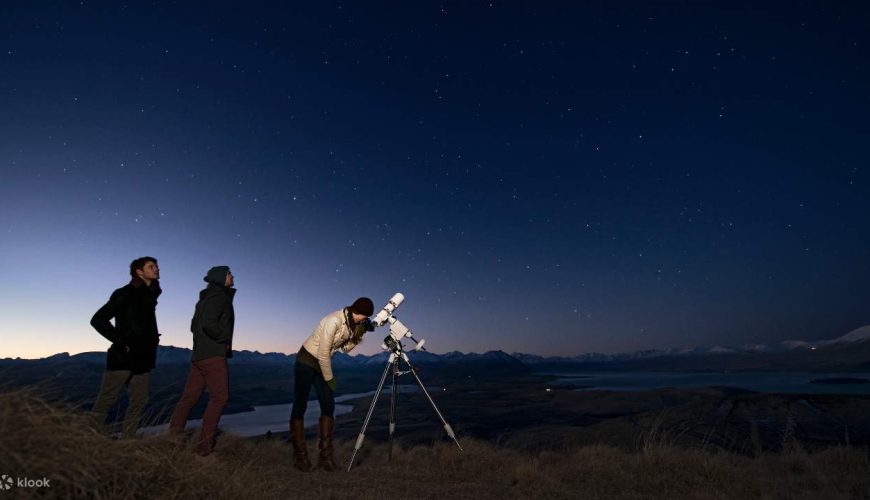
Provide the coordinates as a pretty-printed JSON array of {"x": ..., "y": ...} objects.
[{"x": 139, "y": 264}]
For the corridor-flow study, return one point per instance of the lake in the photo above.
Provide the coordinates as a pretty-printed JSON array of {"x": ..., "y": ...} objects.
[
  {"x": 768, "y": 382},
  {"x": 276, "y": 418}
]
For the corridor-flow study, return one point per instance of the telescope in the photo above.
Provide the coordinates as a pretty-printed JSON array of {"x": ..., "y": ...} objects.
[
  {"x": 387, "y": 311},
  {"x": 398, "y": 330},
  {"x": 393, "y": 345}
]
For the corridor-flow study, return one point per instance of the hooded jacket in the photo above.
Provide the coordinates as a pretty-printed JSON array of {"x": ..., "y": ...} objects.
[
  {"x": 333, "y": 333},
  {"x": 134, "y": 335},
  {"x": 213, "y": 323}
]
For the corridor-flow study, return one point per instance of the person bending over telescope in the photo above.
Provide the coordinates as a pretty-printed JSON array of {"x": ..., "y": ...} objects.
[{"x": 341, "y": 330}]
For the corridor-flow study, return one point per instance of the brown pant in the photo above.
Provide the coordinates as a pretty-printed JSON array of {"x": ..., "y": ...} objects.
[
  {"x": 211, "y": 374},
  {"x": 113, "y": 383}
]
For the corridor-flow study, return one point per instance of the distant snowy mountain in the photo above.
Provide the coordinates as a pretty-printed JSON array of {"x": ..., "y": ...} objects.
[
  {"x": 858, "y": 335},
  {"x": 797, "y": 344}
]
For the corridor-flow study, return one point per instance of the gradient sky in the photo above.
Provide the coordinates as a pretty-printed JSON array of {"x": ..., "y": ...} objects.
[{"x": 545, "y": 177}]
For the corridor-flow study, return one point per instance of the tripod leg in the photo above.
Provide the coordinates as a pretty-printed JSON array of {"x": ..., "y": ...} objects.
[
  {"x": 362, "y": 432},
  {"x": 447, "y": 427},
  {"x": 393, "y": 409}
]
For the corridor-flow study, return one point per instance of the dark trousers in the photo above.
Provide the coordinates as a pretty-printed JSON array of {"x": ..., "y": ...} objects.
[
  {"x": 306, "y": 376},
  {"x": 113, "y": 383},
  {"x": 211, "y": 374}
]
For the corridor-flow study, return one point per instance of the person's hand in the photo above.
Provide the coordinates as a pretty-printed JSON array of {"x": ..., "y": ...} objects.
[
  {"x": 332, "y": 384},
  {"x": 120, "y": 348}
]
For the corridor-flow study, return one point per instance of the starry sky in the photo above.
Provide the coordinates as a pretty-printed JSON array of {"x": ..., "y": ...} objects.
[{"x": 546, "y": 177}]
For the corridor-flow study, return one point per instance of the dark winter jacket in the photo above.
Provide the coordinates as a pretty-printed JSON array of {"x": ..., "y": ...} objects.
[
  {"x": 134, "y": 335},
  {"x": 212, "y": 323}
]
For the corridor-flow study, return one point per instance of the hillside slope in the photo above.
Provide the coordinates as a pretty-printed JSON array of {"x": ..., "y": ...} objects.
[{"x": 38, "y": 440}]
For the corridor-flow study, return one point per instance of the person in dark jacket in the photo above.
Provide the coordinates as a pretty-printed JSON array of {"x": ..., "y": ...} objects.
[
  {"x": 134, "y": 338},
  {"x": 212, "y": 328}
]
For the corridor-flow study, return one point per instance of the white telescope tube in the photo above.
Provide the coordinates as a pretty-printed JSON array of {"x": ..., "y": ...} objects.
[{"x": 387, "y": 311}]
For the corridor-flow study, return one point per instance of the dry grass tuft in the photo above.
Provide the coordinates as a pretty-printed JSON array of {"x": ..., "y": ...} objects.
[{"x": 39, "y": 440}]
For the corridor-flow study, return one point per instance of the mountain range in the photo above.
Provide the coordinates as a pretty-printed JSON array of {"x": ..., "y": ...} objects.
[{"x": 849, "y": 352}]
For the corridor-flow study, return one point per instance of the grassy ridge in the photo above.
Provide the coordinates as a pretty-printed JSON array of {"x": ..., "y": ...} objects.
[{"x": 40, "y": 440}]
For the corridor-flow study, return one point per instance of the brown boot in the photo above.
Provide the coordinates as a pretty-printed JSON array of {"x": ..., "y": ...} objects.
[
  {"x": 325, "y": 461},
  {"x": 300, "y": 452}
]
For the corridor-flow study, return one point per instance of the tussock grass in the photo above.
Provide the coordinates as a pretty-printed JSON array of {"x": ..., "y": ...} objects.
[{"x": 40, "y": 440}]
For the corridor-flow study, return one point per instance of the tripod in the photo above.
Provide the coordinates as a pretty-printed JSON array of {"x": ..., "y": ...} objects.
[{"x": 396, "y": 354}]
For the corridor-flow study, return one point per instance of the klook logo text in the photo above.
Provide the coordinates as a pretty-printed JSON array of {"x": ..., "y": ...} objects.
[{"x": 7, "y": 483}]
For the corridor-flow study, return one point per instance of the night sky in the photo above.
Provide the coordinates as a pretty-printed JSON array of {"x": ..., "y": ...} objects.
[{"x": 544, "y": 177}]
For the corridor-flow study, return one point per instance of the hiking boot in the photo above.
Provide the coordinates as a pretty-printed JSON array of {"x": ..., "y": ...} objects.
[
  {"x": 325, "y": 460},
  {"x": 297, "y": 438}
]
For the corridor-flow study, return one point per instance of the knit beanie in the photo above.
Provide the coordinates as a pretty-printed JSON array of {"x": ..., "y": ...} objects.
[
  {"x": 364, "y": 306},
  {"x": 217, "y": 275}
]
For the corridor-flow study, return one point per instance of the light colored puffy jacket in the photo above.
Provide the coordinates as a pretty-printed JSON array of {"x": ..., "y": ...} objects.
[{"x": 331, "y": 334}]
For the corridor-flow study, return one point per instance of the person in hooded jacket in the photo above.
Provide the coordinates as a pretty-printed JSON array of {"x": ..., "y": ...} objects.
[
  {"x": 341, "y": 330},
  {"x": 212, "y": 329},
  {"x": 134, "y": 338}
]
